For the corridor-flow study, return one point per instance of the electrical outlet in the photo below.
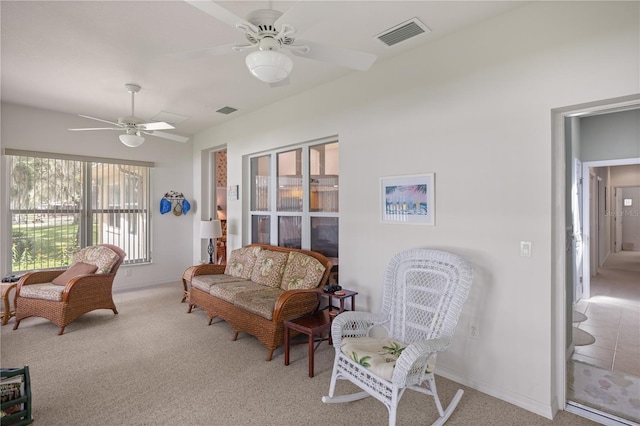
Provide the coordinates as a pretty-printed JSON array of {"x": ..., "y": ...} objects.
[
  {"x": 525, "y": 248},
  {"x": 474, "y": 332},
  {"x": 127, "y": 272}
]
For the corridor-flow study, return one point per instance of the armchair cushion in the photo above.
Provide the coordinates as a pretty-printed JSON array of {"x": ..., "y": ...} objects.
[
  {"x": 241, "y": 262},
  {"x": 379, "y": 355},
  {"x": 301, "y": 272},
  {"x": 269, "y": 268},
  {"x": 44, "y": 291},
  {"x": 79, "y": 268},
  {"x": 103, "y": 257}
]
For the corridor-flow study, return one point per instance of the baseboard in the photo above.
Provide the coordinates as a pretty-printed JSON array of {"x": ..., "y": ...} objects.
[
  {"x": 142, "y": 286},
  {"x": 528, "y": 404}
]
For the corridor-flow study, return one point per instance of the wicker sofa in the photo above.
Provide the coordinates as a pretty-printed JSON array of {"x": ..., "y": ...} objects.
[{"x": 259, "y": 288}]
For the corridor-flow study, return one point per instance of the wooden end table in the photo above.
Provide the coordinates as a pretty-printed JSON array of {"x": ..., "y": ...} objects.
[
  {"x": 341, "y": 298},
  {"x": 7, "y": 313},
  {"x": 313, "y": 324}
]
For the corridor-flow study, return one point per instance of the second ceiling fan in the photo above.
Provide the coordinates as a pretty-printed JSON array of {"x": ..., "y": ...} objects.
[
  {"x": 134, "y": 127},
  {"x": 269, "y": 32}
]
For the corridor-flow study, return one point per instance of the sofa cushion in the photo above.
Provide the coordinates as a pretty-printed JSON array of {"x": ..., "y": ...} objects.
[
  {"x": 241, "y": 262},
  {"x": 379, "y": 355},
  {"x": 46, "y": 291},
  {"x": 229, "y": 291},
  {"x": 269, "y": 268},
  {"x": 301, "y": 272},
  {"x": 74, "y": 270},
  {"x": 260, "y": 302},
  {"x": 103, "y": 257},
  {"x": 204, "y": 282}
]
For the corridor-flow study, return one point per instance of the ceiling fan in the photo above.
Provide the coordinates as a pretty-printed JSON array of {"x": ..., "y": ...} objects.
[
  {"x": 268, "y": 32},
  {"x": 134, "y": 127}
]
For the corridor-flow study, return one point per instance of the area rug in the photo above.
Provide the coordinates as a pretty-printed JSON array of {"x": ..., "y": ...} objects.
[
  {"x": 578, "y": 316},
  {"x": 605, "y": 390},
  {"x": 582, "y": 338}
]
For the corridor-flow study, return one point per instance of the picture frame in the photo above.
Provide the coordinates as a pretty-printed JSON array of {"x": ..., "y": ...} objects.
[
  {"x": 232, "y": 192},
  {"x": 408, "y": 199}
]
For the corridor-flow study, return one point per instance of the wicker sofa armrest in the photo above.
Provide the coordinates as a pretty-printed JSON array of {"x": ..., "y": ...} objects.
[
  {"x": 294, "y": 303},
  {"x": 208, "y": 269}
]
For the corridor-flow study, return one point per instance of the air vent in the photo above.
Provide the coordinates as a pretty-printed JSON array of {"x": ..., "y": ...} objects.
[
  {"x": 226, "y": 110},
  {"x": 402, "y": 32}
]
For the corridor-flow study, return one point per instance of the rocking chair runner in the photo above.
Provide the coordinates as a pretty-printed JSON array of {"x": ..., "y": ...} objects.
[{"x": 423, "y": 294}]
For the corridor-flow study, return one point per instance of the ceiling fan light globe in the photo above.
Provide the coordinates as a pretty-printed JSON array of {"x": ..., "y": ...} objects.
[
  {"x": 269, "y": 66},
  {"x": 131, "y": 141}
]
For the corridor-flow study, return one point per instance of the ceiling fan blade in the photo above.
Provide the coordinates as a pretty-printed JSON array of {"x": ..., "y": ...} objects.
[
  {"x": 303, "y": 15},
  {"x": 348, "y": 58},
  {"x": 99, "y": 128},
  {"x": 99, "y": 119},
  {"x": 159, "y": 125},
  {"x": 166, "y": 135},
  {"x": 221, "y": 14},
  {"x": 200, "y": 53}
]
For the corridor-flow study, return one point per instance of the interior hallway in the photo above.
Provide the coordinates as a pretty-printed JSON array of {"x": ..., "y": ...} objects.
[{"x": 613, "y": 315}]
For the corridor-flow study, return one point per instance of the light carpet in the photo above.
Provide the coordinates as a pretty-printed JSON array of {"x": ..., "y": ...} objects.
[
  {"x": 154, "y": 364},
  {"x": 605, "y": 390}
]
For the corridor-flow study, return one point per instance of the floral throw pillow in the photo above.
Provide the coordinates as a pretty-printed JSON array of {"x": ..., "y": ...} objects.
[
  {"x": 269, "y": 268},
  {"x": 241, "y": 262},
  {"x": 302, "y": 272}
]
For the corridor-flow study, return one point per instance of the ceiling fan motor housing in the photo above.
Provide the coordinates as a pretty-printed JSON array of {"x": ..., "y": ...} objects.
[{"x": 264, "y": 20}]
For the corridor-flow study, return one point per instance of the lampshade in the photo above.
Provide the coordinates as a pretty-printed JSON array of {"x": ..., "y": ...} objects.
[
  {"x": 131, "y": 140},
  {"x": 269, "y": 66},
  {"x": 210, "y": 229}
]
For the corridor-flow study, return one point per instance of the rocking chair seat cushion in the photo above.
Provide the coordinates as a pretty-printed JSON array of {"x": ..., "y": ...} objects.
[
  {"x": 378, "y": 355},
  {"x": 44, "y": 291},
  {"x": 74, "y": 270}
]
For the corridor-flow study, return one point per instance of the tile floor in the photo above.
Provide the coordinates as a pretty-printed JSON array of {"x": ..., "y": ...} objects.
[{"x": 613, "y": 316}]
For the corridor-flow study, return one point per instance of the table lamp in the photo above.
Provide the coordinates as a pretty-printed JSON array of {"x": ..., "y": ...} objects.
[{"x": 210, "y": 229}]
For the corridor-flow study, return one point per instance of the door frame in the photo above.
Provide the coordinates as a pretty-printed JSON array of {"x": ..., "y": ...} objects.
[{"x": 559, "y": 240}]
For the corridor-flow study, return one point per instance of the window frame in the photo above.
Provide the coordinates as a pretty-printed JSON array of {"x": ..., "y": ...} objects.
[
  {"x": 89, "y": 211},
  {"x": 272, "y": 212}
]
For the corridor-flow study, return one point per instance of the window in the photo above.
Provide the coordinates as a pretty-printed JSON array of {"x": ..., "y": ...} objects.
[
  {"x": 302, "y": 211},
  {"x": 60, "y": 203}
]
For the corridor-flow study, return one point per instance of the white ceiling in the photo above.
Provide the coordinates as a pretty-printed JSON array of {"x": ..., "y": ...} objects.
[{"x": 76, "y": 56}]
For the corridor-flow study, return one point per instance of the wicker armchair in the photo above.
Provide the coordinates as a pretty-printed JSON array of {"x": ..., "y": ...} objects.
[
  {"x": 423, "y": 294},
  {"x": 62, "y": 295}
]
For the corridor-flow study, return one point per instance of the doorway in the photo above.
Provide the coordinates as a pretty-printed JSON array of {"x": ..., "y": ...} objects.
[{"x": 579, "y": 225}]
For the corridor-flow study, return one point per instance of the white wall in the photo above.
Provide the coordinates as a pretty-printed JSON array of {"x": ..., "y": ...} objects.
[
  {"x": 41, "y": 130},
  {"x": 475, "y": 109}
]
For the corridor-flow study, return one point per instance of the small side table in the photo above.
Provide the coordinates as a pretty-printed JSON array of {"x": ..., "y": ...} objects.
[
  {"x": 7, "y": 313},
  {"x": 348, "y": 294},
  {"x": 187, "y": 276},
  {"x": 311, "y": 324}
]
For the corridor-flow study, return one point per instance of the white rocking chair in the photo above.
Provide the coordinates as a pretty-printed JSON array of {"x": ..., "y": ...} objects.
[{"x": 423, "y": 294}]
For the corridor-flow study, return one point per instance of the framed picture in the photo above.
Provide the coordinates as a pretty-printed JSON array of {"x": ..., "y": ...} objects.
[{"x": 408, "y": 199}]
